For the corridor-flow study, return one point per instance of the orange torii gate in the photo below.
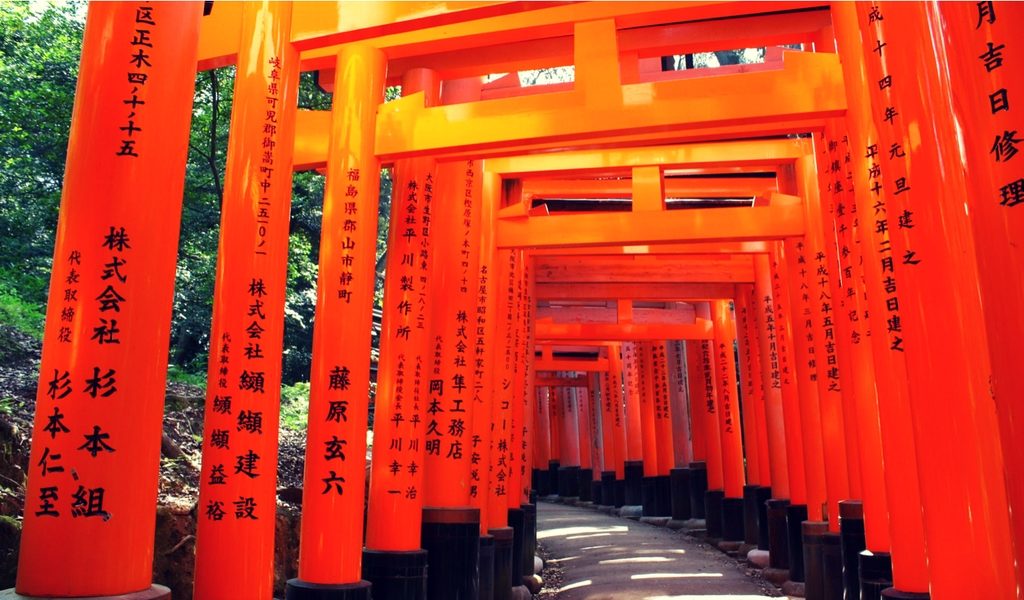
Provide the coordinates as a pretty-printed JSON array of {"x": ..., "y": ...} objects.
[{"x": 842, "y": 321}]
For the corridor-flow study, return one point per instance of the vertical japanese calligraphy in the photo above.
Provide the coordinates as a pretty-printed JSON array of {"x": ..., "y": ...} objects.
[
  {"x": 93, "y": 467},
  {"x": 238, "y": 480}
]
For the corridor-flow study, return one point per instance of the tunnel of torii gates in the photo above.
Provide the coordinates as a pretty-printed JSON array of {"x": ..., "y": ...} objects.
[{"x": 781, "y": 299}]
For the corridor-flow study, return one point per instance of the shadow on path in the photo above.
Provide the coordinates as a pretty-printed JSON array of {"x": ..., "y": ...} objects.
[{"x": 602, "y": 557}]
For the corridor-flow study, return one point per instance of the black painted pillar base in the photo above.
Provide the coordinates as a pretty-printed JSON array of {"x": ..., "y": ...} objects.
[
  {"x": 607, "y": 488},
  {"x": 895, "y": 594},
  {"x": 597, "y": 493},
  {"x": 751, "y": 528},
  {"x": 852, "y": 543},
  {"x": 634, "y": 475},
  {"x": 451, "y": 537},
  {"x": 553, "y": 468},
  {"x": 679, "y": 489},
  {"x": 663, "y": 496},
  {"x": 796, "y": 514},
  {"x": 764, "y": 494},
  {"x": 732, "y": 520},
  {"x": 296, "y": 589},
  {"x": 486, "y": 568},
  {"x": 713, "y": 500},
  {"x": 569, "y": 482},
  {"x": 620, "y": 492},
  {"x": 540, "y": 482},
  {"x": 812, "y": 534},
  {"x": 875, "y": 574},
  {"x": 396, "y": 575},
  {"x": 778, "y": 533},
  {"x": 832, "y": 566},
  {"x": 586, "y": 477},
  {"x": 649, "y": 496},
  {"x": 517, "y": 522},
  {"x": 529, "y": 538},
  {"x": 698, "y": 488},
  {"x": 504, "y": 539}
]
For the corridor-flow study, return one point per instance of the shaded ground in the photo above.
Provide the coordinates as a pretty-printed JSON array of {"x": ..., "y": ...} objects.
[{"x": 601, "y": 557}]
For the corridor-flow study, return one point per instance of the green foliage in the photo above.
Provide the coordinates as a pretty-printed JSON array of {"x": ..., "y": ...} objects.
[
  {"x": 38, "y": 69},
  {"x": 178, "y": 375},
  {"x": 295, "y": 406},
  {"x": 27, "y": 316}
]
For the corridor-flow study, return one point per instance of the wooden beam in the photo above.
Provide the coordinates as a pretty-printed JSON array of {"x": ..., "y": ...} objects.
[
  {"x": 626, "y": 291},
  {"x": 675, "y": 315},
  {"x": 406, "y": 128},
  {"x": 650, "y": 228},
  {"x": 644, "y": 269},
  {"x": 737, "y": 153},
  {"x": 549, "y": 381},
  {"x": 712, "y": 187},
  {"x": 551, "y": 332},
  {"x": 571, "y": 364},
  {"x": 660, "y": 249}
]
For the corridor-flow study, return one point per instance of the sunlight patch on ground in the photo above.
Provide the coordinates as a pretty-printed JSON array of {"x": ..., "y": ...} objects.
[
  {"x": 673, "y": 575},
  {"x": 705, "y": 597},
  {"x": 585, "y": 548},
  {"x": 567, "y": 531},
  {"x": 573, "y": 586},
  {"x": 635, "y": 559}
]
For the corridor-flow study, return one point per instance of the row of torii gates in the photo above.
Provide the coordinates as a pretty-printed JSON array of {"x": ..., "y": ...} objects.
[{"x": 842, "y": 216}]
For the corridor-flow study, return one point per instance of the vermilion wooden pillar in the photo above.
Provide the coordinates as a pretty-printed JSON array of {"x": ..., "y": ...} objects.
[
  {"x": 771, "y": 376},
  {"x": 751, "y": 397},
  {"x": 793, "y": 399},
  {"x": 757, "y": 492},
  {"x": 662, "y": 409},
  {"x": 729, "y": 420},
  {"x": 615, "y": 396},
  {"x": 542, "y": 441},
  {"x": 493, "y": 529},
  {"x": 330, "y": 551},
  {"x": 881, "y": 274},
  {"x": 832, "y": 395},
  {"x": 793, "y": 269},
  {"x": 679, "y": 405},
  {"x": 703, "y": 361},
  {"x": 238, "y": 480},
  {"x": 864, "y": 522},
  {"x": 662, "y": 428},
  {"x": 450, "y": 524},
  {"x": 922, "y": 190},
  {"x": 568, "y": 472},
  {"x": 483, "y": 342},
  {"x": 996, "y": 185},
  {"x": 588, "y": 459},
  {"x": 512, "y": 383},
  {"x": 91, "y": 490},
  {"x": 618, "y": 404},
  {"x": 697, "y": 394},
  {"x": 634, "y": 464},
  {"x": 393, "y": 561}
]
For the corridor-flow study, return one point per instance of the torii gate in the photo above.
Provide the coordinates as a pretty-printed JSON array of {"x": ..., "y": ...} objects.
[{"x": 845, "y": 418}]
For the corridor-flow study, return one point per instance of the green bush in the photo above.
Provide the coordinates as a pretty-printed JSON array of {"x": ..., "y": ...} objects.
[
  {"x": 295, "y": 405},
  {"x": 26, "y": 316}
]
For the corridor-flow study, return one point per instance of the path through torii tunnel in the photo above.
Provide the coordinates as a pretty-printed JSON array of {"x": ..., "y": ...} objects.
[{"x": 778, "y": 303}]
